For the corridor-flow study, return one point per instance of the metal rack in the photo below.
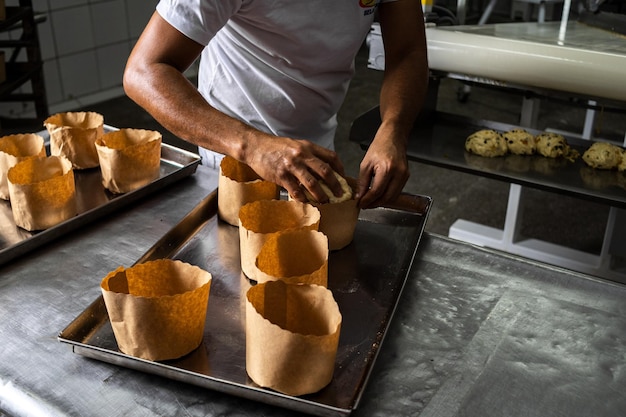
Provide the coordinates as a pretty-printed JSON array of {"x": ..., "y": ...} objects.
[{"x": 19, "y": 72}]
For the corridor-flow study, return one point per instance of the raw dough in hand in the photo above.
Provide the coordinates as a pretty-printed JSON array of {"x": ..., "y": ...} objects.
[
  {"x": 487, "y": 143},
  {"x": 603, "y": 155},
  {"x": 520, "y": 142},
  {"x": 347, "y": 191}
]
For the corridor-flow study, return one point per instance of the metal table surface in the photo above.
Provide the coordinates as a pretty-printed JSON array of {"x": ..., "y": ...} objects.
[{"x": 476, "y": 332}]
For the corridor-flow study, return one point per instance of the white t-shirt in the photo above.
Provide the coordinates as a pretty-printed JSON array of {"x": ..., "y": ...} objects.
[{"x": 282, "y": 66}]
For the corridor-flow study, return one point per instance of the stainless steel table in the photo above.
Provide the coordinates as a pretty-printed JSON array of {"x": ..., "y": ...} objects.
[{"x": 476, "y": 332}]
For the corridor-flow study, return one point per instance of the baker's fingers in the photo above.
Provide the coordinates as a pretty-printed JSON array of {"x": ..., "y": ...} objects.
[
  {"x": 298, "y": 166},
  {"x": 382, "y": 196},
  {"x": 309, "y": 183},
  {"x": 329, "y": 157},
  {"x": 295, "y": 190},
  {"x": 371, "y": 188},
  {"x": 324, "y": 166},
  {"x": 378, "y": 188}
]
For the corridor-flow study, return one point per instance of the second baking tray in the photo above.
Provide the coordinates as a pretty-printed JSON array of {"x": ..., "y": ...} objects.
[
  {"x": 366, "y": 278},
  {"x": 93, "y": 201}
]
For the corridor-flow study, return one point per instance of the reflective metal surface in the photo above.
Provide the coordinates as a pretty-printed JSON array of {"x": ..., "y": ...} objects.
[
  {"x": 476, "y": 333},
  {"x": 479, "y": 333},
  {"x": 440, "y": 140},
  {"x": 366, "y": 279},
  {"x": 93, "y": 201}
]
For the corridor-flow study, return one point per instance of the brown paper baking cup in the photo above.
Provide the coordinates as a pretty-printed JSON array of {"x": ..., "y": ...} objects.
[
  {"x": 42, "y": 192},
  {"x": 339, "y": 220},
  {"x": 157, "y": 309},
  {"x": 73, "y": 135},
  {"x": 238, "y": 185},
  {"x": 16, "y": 148},
  {"x": 297, "y": 256},
  {"x": 259, "y": 219},
  {"x": 292, "y": 335},
  {"x": 129, "y": 158}
]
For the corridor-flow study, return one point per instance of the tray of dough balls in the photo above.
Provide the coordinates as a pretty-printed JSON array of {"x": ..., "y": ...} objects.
[
  {"x": 74, "y": 171},
  {"x": 260, "y": 296},
  {"x": 548, "y": 160}
]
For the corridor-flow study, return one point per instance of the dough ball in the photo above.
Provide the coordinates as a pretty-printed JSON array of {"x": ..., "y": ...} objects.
[
  {"x": 332, "y": 198},
  {"x": 487, "y": 143},
  {"x": 603, "y": 155},
  {"x": 520, "y": 142},
  {"x": 551, "y": 145}
]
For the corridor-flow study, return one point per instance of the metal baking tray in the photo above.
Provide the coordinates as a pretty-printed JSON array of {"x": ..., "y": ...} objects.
[
  {"x": 439, "y": 139},
  {"x": 93, "y": 200},
  {"x": 366, "y": 278}
]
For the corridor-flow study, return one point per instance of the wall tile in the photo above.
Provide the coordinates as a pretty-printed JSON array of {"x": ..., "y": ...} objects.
[
  {"x": 109, "y": 22},
  {"x": 139, "y": 12},
  {"x": 79, "y": 74},
  {"x": 54, "y": 88},
  {"x": 61, "y": 4},
  {"x": 72, "y": 29},
  {"x": 111, "y": 63},
  {"x": 84, "y": 45},
  {"x": 11, "y": 109},
  {"x": 46, "y": 40},
  {"x": 40, "y": 5}
]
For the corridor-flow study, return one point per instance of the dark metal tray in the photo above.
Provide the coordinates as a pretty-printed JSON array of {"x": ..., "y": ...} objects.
[
  {"x": 93, "y": 201},
  {"x": 439, "y": 139},
  {"x": 366, "y": 278}
]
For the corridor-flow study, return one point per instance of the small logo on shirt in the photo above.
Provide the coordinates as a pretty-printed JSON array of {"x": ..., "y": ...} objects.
[{"x": 368, "y": 5}]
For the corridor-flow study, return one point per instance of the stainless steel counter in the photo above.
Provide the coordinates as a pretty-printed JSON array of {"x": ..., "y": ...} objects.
[{"x": 476, "y": 333}]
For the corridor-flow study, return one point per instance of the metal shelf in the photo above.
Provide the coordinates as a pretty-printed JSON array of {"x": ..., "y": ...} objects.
[{"x": 18, "y": 73}]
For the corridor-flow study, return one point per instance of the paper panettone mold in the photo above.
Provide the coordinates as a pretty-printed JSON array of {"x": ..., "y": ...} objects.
[
  {"x": 338, "y": 220},
  {"x": 73, "y": 135},
  {"x": 16, "y": 148},
  {"x": 238, "y": 185},
  {"x": 297, "y": 256},
  {"x": 261, "y": 218},
  {"x": 42, "y": 192},
  {"x": 129, "y": 158},
  {"x": 157, "y": 309},
  {"x": 292, "y": 336}
]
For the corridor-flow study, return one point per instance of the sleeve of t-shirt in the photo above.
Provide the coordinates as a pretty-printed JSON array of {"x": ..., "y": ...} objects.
[{"x": 199, "y": 20}]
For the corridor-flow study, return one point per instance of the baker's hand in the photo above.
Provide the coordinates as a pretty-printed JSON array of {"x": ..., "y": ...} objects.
[
  {"x": 383, "y": 173},
  {"x": 297, "y": 165}
]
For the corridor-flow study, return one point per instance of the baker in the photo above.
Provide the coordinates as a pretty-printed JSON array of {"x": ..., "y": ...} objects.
[{"x": 272, "y": 77}]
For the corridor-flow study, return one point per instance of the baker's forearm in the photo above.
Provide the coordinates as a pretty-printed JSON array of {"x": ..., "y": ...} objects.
[
  {"x": 173, "y": 101},
  {"x": 154, "y": 79},
  {"x": 402, "y": 95},
  {"x": 176, "y": 104},
  {"x": 406, "y": 65}
]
